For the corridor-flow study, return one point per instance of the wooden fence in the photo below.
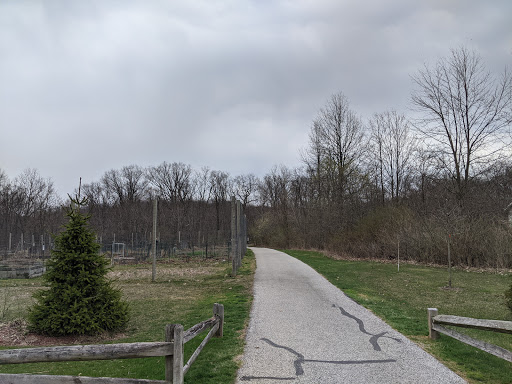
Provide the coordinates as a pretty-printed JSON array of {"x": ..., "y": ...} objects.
[
  {"x": 172, "y": 349},
  {"x": 436, "y": 322}
]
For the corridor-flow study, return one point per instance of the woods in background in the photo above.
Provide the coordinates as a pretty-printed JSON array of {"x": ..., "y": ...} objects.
[
  {"x": 194, "y": 206},
  {"x": 365, "y": 189}
]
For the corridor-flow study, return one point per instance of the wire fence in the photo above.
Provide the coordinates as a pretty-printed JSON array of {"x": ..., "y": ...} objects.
[
  {"x": 137, "y": 248},
  {"x": 19, "y": 251},
  {"x": 34, "y": 249},
  {"x": 25, "y": 246}
]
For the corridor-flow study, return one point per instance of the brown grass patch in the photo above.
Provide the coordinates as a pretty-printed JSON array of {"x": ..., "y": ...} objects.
[{"x": 162, "y": 271}]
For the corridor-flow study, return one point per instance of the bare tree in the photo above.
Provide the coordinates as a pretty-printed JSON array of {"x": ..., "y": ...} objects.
[
  {"x": 465, "y": 111},
  {"x": 274, "y": 192},
  {"x": 98, "y": 205},
  {"x": 94, "y": 193},
  {"x": 30, "y": 197},
  {"x": 245, "y": 188},
  {"x": 3, "y": 179},
  {"x": 135, "y": 182},
  {"x": 219, "y": 187},
  {"x": 394, "y": 146},
  {"x": 127, "y": 185},
  {"x": 275, "y": 187},
  {"x": 5, "y": 207},
  {"x": 37, "y": 194},
  {"x": 313, "y": 156},
  {"x": 172, "y": 181},
  {"x": 425, "y": 172},
  {"x": 125, "y": 190},
  {"x": 341, "y": 136},
  {"x": 201, "y": 185}
]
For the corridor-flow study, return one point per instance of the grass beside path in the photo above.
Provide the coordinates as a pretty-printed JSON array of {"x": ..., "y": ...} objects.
[
  {"x": 402, "y": 298},
  {"x": 184, "y": 293}
]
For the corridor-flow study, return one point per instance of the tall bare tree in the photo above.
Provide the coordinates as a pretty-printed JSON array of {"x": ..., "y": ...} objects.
[
  {"x": 274, "y": 192},
  {"x": 3, "y": 179},
  {"x": 126, "y": 189},
  {"x": 98, "y": 204},
  {"x": 201, "y": 185},
  {"x": 342, "y": 140},
  {"x": 172, "y": 181},
  {"x": 314, "y": 155},
  {"x": 38, "y": 193},
  {"x": 219, "y": 187},
  {"x": 245, "y": 188},
  {"x": 127, "y": 185},
  {"x": 394, "y": 146},
  {"x": 464, "y": 112},
  {"x": 173, "y": 184},
  {"x": 28, "y": 201},
  {"x": 94, "y": 193}
]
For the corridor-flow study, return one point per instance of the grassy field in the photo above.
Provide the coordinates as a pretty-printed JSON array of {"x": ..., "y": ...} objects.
[
  {"x": 402, "y": 298},
  {"x": 184, "y": 293}
]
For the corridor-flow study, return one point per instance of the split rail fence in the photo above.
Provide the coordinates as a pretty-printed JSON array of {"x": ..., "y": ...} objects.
[
  {"x": 171, "y": 349},
  {"x": 436, "y": 324}
]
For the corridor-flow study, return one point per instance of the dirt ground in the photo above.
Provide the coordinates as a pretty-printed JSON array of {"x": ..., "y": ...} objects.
[{"x": 15, "y": 333}]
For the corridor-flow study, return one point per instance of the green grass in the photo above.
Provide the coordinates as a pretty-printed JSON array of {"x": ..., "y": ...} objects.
[
  {"x": 184, "y": 293},
  {"x": 402, "y": 298}
]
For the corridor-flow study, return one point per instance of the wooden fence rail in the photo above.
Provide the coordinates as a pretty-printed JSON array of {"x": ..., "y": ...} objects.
[
  {"x": 172, "y": 349},
  {"x": 436, "y": 322}
]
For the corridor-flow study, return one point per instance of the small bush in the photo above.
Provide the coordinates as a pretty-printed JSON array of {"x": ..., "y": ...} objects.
[{"x": 268, "y": 231}]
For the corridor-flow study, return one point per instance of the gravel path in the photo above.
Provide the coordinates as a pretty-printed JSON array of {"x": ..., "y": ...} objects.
[{"x": 305, "y": 330}]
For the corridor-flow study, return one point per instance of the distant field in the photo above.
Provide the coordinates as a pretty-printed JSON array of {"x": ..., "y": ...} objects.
[
  {"x": 402, "y": 298},
  {"x": 184, "y": 293}
]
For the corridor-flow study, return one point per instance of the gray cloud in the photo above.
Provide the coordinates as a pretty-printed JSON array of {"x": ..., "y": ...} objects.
[{"x": 234, "y": 85}]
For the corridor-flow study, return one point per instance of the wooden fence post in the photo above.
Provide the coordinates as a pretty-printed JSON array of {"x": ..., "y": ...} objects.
[
  {"x": 218, "y": 311},
  {"x": 432, "y": 312},
  {"x": 177, "y": 371},
  {"x": 169, "y": 360}
]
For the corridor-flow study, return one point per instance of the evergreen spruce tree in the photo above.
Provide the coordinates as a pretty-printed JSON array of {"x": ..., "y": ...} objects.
[{"x": 80, "y": 299}]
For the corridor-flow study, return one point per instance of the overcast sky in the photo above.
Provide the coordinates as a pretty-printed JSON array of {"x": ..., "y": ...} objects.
[{"x": 89, "y": 86}]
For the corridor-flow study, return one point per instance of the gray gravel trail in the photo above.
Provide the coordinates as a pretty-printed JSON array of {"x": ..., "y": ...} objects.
[{"x": 305, "y": 330}]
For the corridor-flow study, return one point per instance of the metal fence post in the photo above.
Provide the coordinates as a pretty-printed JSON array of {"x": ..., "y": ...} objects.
[
  {"x": 155, "y": 210},
  {"x": 238, "y": 234},
  {"x": 233, "y": 236}
]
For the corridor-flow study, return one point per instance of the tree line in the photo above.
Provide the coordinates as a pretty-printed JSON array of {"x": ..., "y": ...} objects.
[
  {"x": 441, "y": 178},
  {"x": 194, "y": 205},
  {"x": 366, "y": 187}
]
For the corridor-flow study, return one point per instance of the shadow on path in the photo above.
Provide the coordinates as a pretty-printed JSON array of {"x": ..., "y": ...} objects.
[
  {"x": 300, "y": 359},
  {"x": 374, "y": 337}
]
